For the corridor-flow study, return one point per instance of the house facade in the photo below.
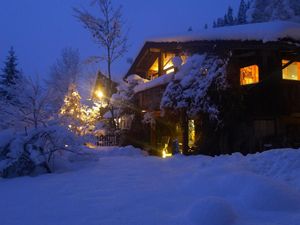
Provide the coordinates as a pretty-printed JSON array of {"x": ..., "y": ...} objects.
[{"x": 259, "y": 108}]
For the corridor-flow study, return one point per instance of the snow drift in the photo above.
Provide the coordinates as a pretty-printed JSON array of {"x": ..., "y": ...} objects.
[{"x": 121, "y": 186}]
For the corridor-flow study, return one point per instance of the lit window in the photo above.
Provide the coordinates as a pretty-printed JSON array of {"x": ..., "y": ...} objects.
[
  {"x": 153, "y": 71},
  {"x": 249, "y": 75},
  {"x": 167, "y": 62},
  {"x": 292, "y": 71},
  {"x": 167, "y": 65}
]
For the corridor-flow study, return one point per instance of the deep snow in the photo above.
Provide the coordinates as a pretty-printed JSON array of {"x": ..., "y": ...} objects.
[{"x": 123, "y": 186}]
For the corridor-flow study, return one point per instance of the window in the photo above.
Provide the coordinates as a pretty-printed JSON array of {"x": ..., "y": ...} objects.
[
  {"x": 153, "y": 71},
  {"x": 125, "y": 122},
  {"x": 249, "y": 75},
  {"x": 167, "y": 65},
  {"x": 292, "y": 71}
]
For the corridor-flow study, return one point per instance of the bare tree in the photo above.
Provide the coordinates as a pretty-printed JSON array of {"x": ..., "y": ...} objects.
[
  {"x": 64, "y": 72},
  {"x": 107, "y": 31},
  {"x": 31, "y": 109}
]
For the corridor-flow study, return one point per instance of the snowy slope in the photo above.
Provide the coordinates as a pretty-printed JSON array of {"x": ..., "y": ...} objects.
[{"x": 122, "y": 186}]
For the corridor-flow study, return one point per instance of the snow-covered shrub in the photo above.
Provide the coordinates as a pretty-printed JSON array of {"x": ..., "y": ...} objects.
[
  {"x": 149, "y": 118},
  {"x": 122, "y": 101},
  {"x": 125, "y": 91},
  {"x": 33, "y": 152},
  {"x": 191, "y": 88}
]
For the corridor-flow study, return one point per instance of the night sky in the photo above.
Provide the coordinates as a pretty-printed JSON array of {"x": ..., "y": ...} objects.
[{"x": 39, "y": 29}]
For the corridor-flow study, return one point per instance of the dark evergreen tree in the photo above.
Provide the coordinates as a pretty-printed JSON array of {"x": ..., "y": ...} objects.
[
  {"x": 215, "y": 24},
  {"x": 220, "y": 22},
  {"x": 10, "y": 75},
  {"x": 295, "y": 4},
  {"x": 225, "y": 23},
  {"x": 229, "y": 16},
  {"x": 282, "y": 10},
  {"x": 261, "y": 11},
  {"x": 241, "y": 17},
  {"x": 205, "y": 26}
]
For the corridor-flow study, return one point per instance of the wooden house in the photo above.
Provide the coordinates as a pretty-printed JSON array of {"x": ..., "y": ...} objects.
[{"x": 261, "y": 106}]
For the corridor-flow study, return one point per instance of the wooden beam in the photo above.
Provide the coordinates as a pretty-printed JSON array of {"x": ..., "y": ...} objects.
[
  {"x": 160, "y": 64},
  {"x": 156, "y": 50},
  {"x": 287, "y": 64}
]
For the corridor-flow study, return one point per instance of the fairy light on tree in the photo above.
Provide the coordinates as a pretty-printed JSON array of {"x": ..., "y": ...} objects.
[
  {"x": 71, "y": 110},
  {"x": 79, "y": 118}
]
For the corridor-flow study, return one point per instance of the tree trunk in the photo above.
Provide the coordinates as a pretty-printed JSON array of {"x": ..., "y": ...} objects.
[{"x": 110, "y": 90}]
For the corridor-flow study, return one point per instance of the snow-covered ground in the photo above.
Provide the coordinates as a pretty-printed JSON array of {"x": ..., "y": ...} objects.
[{"x": 122, "y": 186}]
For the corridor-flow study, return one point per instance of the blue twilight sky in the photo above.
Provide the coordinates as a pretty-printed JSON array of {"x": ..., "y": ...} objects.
[{"x": 39, "y": 29}]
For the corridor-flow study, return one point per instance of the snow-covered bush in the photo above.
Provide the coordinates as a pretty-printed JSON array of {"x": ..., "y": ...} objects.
[
  {"x": 122, "y": 101},
  {"x": 191, "y": 88},
  {"x": 125, "y": 91},
  {"x": 149, "y": 118},
  {"x": 33, "y": 152}
]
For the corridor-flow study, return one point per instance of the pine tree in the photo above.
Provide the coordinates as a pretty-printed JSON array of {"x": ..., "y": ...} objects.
[
  {"x": 295, "y": 4},
  {"x": 71, "y": 110},
  {"x": 220, "y": 22},
  {"x": 229, "y": 16},
  {"x": 282, "y": 10},
  {"x": 262, "y": 11},
  {"x": 241, "y": 17},
  {"x": 214, "y": 24},
  {"x": 10, "y": 75},
  {"x": 225, "y": 20}
]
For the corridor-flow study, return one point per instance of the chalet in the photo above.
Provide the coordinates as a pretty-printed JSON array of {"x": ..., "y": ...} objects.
[{"x": 258, "y": 108}]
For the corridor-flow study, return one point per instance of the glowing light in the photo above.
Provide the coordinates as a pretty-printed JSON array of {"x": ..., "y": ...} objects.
[
  {"x": 171, "y": 70},
  {"x": 82, "y": 118},
  {"x": 66, "y": 146},
  {"x": 90, "y": 145},
  {"x": 99, "y": 94},
  {"x": 165, "y": 154},
  {"x": 291, "y": 72},
  {"x": 249, "y": 75}
]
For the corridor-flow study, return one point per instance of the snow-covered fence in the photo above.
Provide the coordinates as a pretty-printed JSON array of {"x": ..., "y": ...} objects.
[{"x": 108, "y": 140}]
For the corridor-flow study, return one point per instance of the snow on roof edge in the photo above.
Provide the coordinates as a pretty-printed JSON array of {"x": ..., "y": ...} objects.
[{"x": 267, "y": 31}]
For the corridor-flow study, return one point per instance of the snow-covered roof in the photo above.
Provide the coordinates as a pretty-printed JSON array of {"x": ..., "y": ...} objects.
[
  {"x": 164, "y": 79},
  {"x": 269, "y": 31}
]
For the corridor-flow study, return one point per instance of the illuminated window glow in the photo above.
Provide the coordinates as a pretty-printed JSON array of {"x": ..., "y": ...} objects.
[
  {"x": 153, "y": 71},
  {"x": 291, "y": 72},
  {"x": 192, "y": 133},
  {"x": 167, "y": 63},
  {"x": 249, "y": 75}
]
